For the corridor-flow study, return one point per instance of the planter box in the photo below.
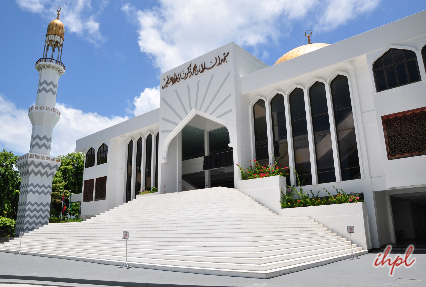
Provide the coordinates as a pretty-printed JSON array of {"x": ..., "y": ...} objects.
[
  {"x": 337, "y": 217},
  {"x": 265, "y": 190}
]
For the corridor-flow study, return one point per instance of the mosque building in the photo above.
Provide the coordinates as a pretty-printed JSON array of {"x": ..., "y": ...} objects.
[{"x": 350, "y": 115}]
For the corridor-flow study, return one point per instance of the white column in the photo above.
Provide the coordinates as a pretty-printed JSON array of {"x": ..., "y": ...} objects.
[
  {"x": 289, "y": 140},
  {"x": 333, "y": 134},
  {"x": 207, "y": 179},
  {"x": 311, "y": 137}
]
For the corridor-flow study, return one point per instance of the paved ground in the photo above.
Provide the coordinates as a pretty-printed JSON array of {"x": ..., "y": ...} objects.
[{"x": 41, "y": 271}]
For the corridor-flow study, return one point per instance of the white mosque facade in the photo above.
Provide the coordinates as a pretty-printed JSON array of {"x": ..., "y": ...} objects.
[{"x": 350, "y": 115}]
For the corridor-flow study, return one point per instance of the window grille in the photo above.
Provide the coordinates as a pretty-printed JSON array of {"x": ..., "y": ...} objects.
[
  {"x": 397, "y": 67},
  {"x": 405, "y": 133},
  {"x": 100, "y": 188},
  {"x": 148, "y": 156},
  {"x": 90, "y": 158},
  {"x": 129, "y": 171},
  {"x": 138, "y": 179},
  {"x": 322, "y": 134},
  {"x": 300, "y": 137},
  {"x": 345, "y": 128},
  {"x": 260, "y": 132},
  {"x": 88, "y": 190},
  {"x": 102, "y": 154}
]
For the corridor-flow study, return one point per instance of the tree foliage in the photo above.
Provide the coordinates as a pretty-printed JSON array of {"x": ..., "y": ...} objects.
[
  {"x": 68, "y": 179},
  {"x": 10, "y": 182}
]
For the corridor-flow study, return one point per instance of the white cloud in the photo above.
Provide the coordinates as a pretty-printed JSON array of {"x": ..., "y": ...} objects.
[
  {"x": 77, "y": 15},
  {"x": 73, "y": 124},
  {"x": 178, "y": 30},
  {"x": 339, "y": 12},
  {"x": 147, "y": 101}
]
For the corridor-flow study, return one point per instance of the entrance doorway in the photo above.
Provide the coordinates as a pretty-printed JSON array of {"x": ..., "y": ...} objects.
[
  {"x": 207, "y": 159},
  {"x": 409, "y": 217}
]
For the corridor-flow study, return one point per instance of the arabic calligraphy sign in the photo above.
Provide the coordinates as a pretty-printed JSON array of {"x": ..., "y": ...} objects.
[{"x": 194, "y": 70}]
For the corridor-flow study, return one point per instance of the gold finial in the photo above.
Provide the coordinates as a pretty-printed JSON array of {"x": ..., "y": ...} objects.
[
  {"x": 309, "y": 36},
  {"x": 59, "y": 10}
]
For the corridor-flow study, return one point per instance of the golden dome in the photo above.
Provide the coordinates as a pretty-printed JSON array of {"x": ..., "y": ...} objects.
[
  {"x": 301, "y": 51},
  {"x": 56, "y": 27}
]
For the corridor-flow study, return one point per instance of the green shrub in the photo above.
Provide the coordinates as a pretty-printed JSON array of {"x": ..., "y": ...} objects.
[
  {"x": 64, "y": 220},
  {"x": 258, "y": 171},
  {"x": 7, "y": 225},
  {"x": 148, "y": 190},
  {"x": 289, "y": 200}
]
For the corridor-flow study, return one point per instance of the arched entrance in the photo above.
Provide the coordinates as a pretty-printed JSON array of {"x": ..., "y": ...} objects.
[{"x": 200, "y": 149}]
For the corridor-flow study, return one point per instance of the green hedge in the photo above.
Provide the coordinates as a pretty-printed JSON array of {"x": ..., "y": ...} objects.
[{"x": 8, "y": 226}]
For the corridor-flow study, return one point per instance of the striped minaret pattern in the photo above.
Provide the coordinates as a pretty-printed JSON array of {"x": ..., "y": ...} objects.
[{"x": 37, "y": 167}]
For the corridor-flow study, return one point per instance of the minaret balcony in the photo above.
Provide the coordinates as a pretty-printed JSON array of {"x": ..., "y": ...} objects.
[{"x": 51, "y": 61}]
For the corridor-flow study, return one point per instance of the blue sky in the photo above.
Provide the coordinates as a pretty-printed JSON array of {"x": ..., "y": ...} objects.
[{"x": 115, "y": 51}]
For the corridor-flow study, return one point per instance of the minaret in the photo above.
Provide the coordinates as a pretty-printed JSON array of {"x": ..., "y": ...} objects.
[{"x": 37, "y": 167}]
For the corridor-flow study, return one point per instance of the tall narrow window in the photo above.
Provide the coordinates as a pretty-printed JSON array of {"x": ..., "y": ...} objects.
[
  {"x": 129, "y": 171},
  {"x": 345, "y": 128},
  {"x": 157, "y": 138},
  {"x": 279, "y": 131},
  {"x": 424, "y": 56},
  {"x": 300, "y": 137},
  {"x": 395, "y": 68},
  {"x": 138, "y": 178},
  {"x": 322, "y": 136},
  {"x": 260, "y": 132},
  {"x": 148, "y": 155},
  {"x": 102, "y": 154},
  {"x": 90, "y": 158}
]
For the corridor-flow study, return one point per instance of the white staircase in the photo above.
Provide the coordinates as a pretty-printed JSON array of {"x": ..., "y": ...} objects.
[{"x": 212, "y": 231}]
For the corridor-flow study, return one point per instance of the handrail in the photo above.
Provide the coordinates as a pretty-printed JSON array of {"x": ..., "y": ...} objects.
[{"x": 50, "y": 60}]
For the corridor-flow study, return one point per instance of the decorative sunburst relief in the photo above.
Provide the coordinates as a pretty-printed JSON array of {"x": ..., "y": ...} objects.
[{"x": 211, "y": 94}]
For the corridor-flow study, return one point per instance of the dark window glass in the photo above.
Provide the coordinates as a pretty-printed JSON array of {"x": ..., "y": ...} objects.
[
  {"x": 102, "y": 154},
  {"x": 300, "y": 137},
  {"x": 129, "y": 171},
  {"x": 157, "y": 138},
  {"x": 219, "y": 140},
  {"x": 322, "y": 136},
  {"x": 279, "y": 130},
  {"x": 148, "y": 157},
  {"x": 90, "y": 158},
  {"x": 346, "y": 139},
  {"x": 192, "y": 142},
  {"x": 396, "y": 68},
  {"x": 260, "y": 132},
  {"x": 138, "y": 179},
  {"x": 424, "y": 56}
]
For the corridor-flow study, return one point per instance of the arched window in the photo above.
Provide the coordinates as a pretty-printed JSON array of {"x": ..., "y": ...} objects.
[
  {"x": 322, "y": 135},
  {"x": 424, "y": 55},
  {"x": 148, "y": 156},
  {"x": 260, "y": 132},
  {"x": 345, "y": 128},
  {"x": 138, "y": 179},
  {"x": 300, "y": 136},
  {"x": 397, "y": 67},
  {"x": 129, "y": 171},
  {"x": 279, "y": 130},
  {"x": 90, "y": 158},
  {"x": 102, "y": 154}
]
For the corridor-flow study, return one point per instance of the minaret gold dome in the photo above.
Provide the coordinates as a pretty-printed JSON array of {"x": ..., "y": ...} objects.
[
  {"x": 56, "y": 27},
  {"x": 296, "y": 52}
]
